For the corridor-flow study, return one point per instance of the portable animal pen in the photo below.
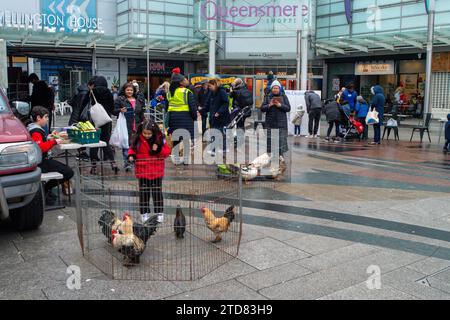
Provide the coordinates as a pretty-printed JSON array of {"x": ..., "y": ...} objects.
[
  {"x": 199, "y": 231},
  {"x": 114, "y": 238}
]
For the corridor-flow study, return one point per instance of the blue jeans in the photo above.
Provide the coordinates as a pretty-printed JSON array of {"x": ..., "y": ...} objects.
[
  {"x": 297, "y": 130},
  {"x": 125, "y": 156},
  {"x": 377, "y": 129}
]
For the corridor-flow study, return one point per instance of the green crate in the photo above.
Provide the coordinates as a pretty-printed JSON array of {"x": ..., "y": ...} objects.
[{"x": 83, "y": 137}]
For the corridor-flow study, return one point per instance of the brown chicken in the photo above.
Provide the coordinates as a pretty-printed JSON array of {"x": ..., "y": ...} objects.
[
  {"x": 126, "y": 242},
  {"x": 218, "y": 225}
]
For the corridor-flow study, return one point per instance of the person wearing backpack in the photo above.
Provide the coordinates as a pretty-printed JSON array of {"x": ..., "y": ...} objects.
[{"x": 242, "y": 98}]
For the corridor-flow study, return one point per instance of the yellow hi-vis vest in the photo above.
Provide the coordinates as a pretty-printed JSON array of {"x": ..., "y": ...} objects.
[{"x": 179, "y": 101}]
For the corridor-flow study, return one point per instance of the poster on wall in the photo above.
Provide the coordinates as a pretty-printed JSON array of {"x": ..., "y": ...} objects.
[
  {"x": 53, "y": 81},
  {"x": 410, "y": 82},
  {"x": 297, "y": 99}
]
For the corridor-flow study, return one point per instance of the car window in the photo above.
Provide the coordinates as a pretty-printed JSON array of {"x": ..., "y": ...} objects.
[{"x": 3, "y": 105}]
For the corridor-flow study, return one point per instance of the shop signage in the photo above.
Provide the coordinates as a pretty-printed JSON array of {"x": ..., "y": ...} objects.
[
  {"x": 137, "y": 66},
  {"x": 336, "y": 84},
  {"x": 57, "y": 16},
  {"x": 252, "y": 14},
  {"x": 224, "y": 79},
  {"x": 374, "y": 68}
]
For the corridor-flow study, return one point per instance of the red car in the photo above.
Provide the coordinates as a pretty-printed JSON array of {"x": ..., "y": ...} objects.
[{"x": 21, "y": 196}]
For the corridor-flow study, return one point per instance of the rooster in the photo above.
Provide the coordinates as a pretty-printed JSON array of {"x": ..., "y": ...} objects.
[
  {"x": 219, "y": 225},
  {"x": 179, "y": 224},
  {"x": 129, "y": 238}
]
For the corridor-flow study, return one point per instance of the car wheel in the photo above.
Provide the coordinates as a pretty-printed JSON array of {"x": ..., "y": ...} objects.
[{"x": 29, "y": 217}]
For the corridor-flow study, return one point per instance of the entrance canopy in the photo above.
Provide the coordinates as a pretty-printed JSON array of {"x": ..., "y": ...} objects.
[
  {"x": 381, "y": 42},
  {"x": 137, "y": 44}
]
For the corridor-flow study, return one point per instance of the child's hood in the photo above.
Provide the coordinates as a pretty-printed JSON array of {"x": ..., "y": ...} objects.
[{"x": 34, "y": 126}]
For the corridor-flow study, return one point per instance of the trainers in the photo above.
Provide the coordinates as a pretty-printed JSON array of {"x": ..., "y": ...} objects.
[
  {"x": 145, "y": 217},
  {"x": 327, "y": 139},
  {"x": 160, "y": 217}
]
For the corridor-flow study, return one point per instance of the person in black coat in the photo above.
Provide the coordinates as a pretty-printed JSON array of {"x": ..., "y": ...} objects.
[
  {"x": 447, "y": 134},
  {"x": 42, "y": 96},
  {"x": 203, "y": 96},
  {"x": 78, "y": 102},
  {"x": 217, "y": 107},
  {"x": 276, "y": 106},
  {"x": 133, "y": 107},
  {"x": 332, "y": 114},
  {"x": 240, "y": 89},
  {"x": 99, "y": 90}
]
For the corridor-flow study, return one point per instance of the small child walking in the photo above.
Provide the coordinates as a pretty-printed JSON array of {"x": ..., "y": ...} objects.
[
  {"x": 148, "y": 151},
  {"x": 447, "y": 134},
  {"x": 297, "y": 121}
]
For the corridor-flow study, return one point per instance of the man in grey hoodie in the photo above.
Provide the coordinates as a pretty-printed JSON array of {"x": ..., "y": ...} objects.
[{"x": 314, "y": 109}]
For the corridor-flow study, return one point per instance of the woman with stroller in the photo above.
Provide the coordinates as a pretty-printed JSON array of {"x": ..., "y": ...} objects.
[
  {"x": 332, "y": 114},
  {"x": 276, "y": 106},
  {"x": 218, "y": 108},
  {"x": 362, "y": 108}
]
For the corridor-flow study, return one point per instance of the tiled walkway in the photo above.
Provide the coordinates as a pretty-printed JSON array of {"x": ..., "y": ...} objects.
[{"x": 348, "y": 207}]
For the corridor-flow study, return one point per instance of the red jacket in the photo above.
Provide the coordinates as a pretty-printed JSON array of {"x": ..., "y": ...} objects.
[{"x": 149, "y": 166}]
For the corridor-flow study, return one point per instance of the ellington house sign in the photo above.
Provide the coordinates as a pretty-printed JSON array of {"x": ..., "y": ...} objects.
[{"x": 57, "y": 15}]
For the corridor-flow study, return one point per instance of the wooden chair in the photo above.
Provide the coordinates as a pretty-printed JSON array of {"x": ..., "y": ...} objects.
[{"x": 422, "y": 127}]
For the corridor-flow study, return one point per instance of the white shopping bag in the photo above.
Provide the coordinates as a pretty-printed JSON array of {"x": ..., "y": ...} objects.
[
  {"x": 372, "y": 117},
  {"x": 98, "y": 114},
  {"x": 119, "y": 137}
]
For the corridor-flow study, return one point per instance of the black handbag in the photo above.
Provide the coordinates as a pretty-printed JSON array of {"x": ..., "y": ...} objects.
[{"x": 86, "y": 113}]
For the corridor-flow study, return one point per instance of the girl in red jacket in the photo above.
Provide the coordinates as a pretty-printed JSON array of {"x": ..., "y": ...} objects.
[{"x": 149, "y": 150}]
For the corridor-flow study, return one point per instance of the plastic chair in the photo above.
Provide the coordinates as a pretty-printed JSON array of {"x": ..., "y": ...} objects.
[{"x": 422, "y": 127}]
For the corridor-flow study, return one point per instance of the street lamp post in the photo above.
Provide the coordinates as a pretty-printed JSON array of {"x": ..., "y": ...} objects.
[{"x": 430, "y": 6}]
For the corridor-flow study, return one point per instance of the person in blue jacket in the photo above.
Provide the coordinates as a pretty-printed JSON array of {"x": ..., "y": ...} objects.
[
  {"x": 447, "y": 134},
  {"x": 350, "y": 96},
  {"x": 362, "y": 108},
  {"x": 377, "y": 103}
]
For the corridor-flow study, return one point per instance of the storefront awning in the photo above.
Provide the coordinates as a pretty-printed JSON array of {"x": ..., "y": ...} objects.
[
  {"x": 380, "y": 43},
  {"x": 86, "y": 40}
]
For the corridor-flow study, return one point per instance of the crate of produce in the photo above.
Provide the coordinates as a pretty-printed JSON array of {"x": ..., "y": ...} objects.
[{"x": 84, "y": 137}]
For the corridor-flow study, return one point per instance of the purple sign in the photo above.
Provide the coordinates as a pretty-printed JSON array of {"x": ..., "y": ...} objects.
[
  {"x": 348, "y": 11},
  {"x": 210, "y": 10}
]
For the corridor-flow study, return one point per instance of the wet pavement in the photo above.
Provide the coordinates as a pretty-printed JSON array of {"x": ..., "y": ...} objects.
[{"x": 349, "y": 208}]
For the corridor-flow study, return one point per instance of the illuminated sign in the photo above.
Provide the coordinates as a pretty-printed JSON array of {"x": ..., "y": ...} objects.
[{"x": 374, "y": 68}]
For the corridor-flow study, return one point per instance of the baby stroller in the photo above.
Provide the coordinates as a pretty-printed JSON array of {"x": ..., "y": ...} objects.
[
  {"x": 350, "y": 127},
  {"x": 237, "y": 115}
]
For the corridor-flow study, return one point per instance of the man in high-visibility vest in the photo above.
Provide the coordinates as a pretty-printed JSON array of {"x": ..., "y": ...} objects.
[{"x": 182, "y": 109}]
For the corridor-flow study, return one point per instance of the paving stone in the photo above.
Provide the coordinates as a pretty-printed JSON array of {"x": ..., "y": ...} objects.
[
  {"x": 52, "y": 224},
  {"x": 430, "y": 265},
  {"x": 230, "y": 290},
  {"x": 49, "y": 245},
  {"x": 266, "y": 253},
  {"x": 315, "y": 245},
  {"x": 9, "y": 254},
  {"x": 278, "y": 234},
  {"x": 404, "y": 279},
  {"x": 269, "y": 277},
  {"x": 31, "y": 276},
  {"x": 441, "y": 280},
  {"x": 88, "y": 270},
  {"x": 230, "y": 270},
  {"x": 337, "y": 256},
  {"x": 325, "y": 282},
  {"x": 362, "y": 292},
  {"x": 114, "y": 290}
]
